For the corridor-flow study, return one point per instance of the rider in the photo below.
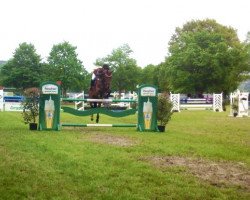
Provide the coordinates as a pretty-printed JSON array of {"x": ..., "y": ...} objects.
[
  {"x": 105, "y": 66},
  {"x": 96, "y": 73}
]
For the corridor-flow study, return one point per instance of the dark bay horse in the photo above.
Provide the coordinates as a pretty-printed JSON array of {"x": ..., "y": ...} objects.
[{"x": 100, "y": 87}]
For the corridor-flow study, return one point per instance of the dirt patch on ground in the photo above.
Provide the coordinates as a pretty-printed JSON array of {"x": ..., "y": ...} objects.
[
  {"x": 112, "y": 140},
  {"x": 216, "y": 173}
]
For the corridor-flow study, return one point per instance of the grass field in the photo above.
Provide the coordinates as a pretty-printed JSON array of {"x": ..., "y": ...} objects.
[{"x": 203, "y": 155}]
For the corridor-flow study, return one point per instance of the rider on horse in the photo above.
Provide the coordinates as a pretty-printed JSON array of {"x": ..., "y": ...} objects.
[
  {"x": 100, "y": 86},
  {"x": 97, "y": 72}
]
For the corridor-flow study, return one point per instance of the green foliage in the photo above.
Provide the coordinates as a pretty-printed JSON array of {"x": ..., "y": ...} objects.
[
  {"x": 150, "y": 75},
  {"x": 164, "y": 110},
  {"x": 163, "y": 77},
  {"x": 247, "y": 46},
  {"x": 2, "y": 63},
  {"x": 24, "y": 69},
  {"x": 82, "y": 83},
  {"x": 205, "y": 57},
  {"x": 31, "y": 105},
  {"x": 126, "y": 73},
  {"x": 64, "y": 65}
]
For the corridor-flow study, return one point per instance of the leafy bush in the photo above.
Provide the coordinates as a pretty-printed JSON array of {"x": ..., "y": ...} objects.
[
  {"x": 164, "y": 111},
  {"x": 31, "y": 105}
]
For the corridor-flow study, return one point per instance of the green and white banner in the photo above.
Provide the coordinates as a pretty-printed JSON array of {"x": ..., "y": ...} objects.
[
  {"x": 49, "y": 107},
  {"x": 147, "y": 108}
]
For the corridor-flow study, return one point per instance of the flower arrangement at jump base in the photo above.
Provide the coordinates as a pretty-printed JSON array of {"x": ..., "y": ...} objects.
[
  {"x": 31, "y": 107},
  {"x": 164, "y": 111}
]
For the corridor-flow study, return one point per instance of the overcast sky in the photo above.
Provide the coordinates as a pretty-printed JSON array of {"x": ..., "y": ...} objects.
[{"x": 96, "y": 27}]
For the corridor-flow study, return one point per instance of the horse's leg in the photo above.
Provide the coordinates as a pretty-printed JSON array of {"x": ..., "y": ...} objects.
[
  {"x": 97, "y": 118},
  {"x": 97, "y": 114},
  {"x": 92, "y": 116}
]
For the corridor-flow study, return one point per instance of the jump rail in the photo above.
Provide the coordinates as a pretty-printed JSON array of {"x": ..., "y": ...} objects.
[
  {"x": 99, "y": 125},
  {"x": 99, "y": 100},
  {"x": 99, "y": 110}
]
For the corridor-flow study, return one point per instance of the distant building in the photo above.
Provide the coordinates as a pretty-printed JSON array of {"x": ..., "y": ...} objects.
[{"x": 245, "y": 86}]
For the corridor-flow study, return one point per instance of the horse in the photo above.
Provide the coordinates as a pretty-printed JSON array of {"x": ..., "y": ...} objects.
[{"x": 100, "y": 87}]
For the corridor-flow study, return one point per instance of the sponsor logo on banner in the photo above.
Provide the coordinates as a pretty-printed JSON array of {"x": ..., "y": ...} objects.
[
  {"x": 13, "y": 106},
  {"x": 49, "y": 89},
  {"x": 148, "y": 92}
]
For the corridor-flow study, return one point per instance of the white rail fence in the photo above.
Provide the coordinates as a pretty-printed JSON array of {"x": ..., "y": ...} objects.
[{"x": 197, "y": 103}]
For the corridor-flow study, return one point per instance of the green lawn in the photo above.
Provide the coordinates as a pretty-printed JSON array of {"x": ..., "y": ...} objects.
[{"x": 83, "y": 163}]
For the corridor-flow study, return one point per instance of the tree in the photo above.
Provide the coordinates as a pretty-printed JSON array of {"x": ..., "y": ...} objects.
[
  {"x": 149, "y": 75},
  {"x": 163, "y": 77},
  {"x": 205, "y": 57},
  {"x": 247, "y": 41},
  {"x": 82, "y": 82},
  {"x": 24, "y": 69},
  {"x": 64, "y": 65},
  {"x": 126, "y": 73},
  {"x": 2, "y": 63},
  {"x": 247, "y": 46}
]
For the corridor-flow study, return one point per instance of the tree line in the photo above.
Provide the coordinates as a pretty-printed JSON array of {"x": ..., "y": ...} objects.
[{"x": 204, "y": 56}]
